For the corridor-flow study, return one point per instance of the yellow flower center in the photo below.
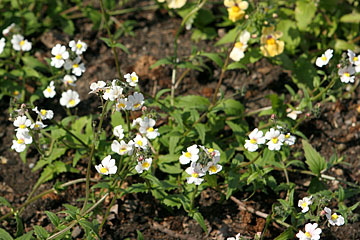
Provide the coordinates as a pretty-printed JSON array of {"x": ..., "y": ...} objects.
[
  {"x": 274, "y": 140},
  {"x": 150, "y": 129},
  {"x": 270, "y": 41},
  {"x": 121, "y": 105},
  {"x": 252, "y": 141},
  {"x": 104, "y": 170},
  {"x": 324, "y": 58},
  {"x": 122, "y": 150},
  {"x": 137, "y": 105},
  {"x": 70, "y": 81},
  {"x": 307, "y": 234},
  {"x": 133, "y": 78},
  {"x": 75, "y": 65},
  {"x": 22, "y": 43},
  {"x": 235, "y": 9},
  {"x": 303, "y": 205},
  {"x": 188, "y": 155},
  {"x": 210, "y": 150},
  {"x": 72, "y": 102},
  {"x": 20, "y": 141},
  {"x": 48, "y": 89},
  {"x": 287, "y": 135},
  {"x": 37, "y": 125},
  {"x": 355, "y": 59},
  {"x": 78, "y": 45},
  {"x": 58, "y": 57},
  {"x": 16, "y": 92},
  {"x": 195, "y": 175},
  {"x": 239, "y": 45},
  {"x": 145, "y": 165},
  {"x": 140, "y": 143},
  {"x": 212, "y": 168},
  {"x": 346, "y": 74},
  {"x": 43, "y": 112},
  {"x": 22, "y": 126},
  {"x": 334, "y": 216}
]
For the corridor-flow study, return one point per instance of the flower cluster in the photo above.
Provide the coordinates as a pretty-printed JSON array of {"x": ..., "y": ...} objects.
[
  {"x": 202, "y": 160},
  {"x": 236, "y": 9},
  {"x": 19, "y": 43},
  {"x": 270, "y": 44},
  {"x": 275, "y": 139}
]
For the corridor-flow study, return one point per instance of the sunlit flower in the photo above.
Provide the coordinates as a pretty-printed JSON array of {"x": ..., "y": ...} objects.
[
  {"x": 2, "y": 45},
  {"x": 289, "y": 139},
  {"x": 195, "y": 174},
  {"x": 147, "y": 127},
  {"x": 135, "y": 102},
  {"x": 237, "y": 52},
  {"x": 304, "y": 204},
  {"x": 312, "y": 232},
  {"x": 213, "y": 167},
  {"x": 355, "y": 60},
  {"x": 256, "y": 137},
  {"x": 22, "y": 123},
  {"x": 236, "y": 9},
  {"x": 121, "y": 104},
  {"x": 334, "y": 219},
  {"x": 78, "y": 47},
  {"x": 69, "y": 80},
  {"x": 20, "y": 44},
  {"x": 6, "y": 31},
  {"x": 271, "y": 46},
  {"x": 275, "y": 138},
  {"x": 176, "y": 3},
  {"x": 44, "y": 114},
  {"x": 97, "y": 86},
  {"x": 119, "y": 131},
  {"x": 49, "y": 92},
  {"x": 121, "y": 148},
  {"x": 23, "y": 138},
  {"x": 132, "y": 79},
  {"x": 143, "y": 165},
  {"x": 325, "y": 58},
  {"x": 107, "y": 166},
  {"x": 60, "y": 54},
  {"x": 76, "y": 67},
  {"x": 140, "y": 142},
  {"x": 37, "y": 125},
  {"x": 347, "y": 74},
  {"x": 69, "y": 99},
  {"x": 191, "y": 154},
  {"x": 292, "y": 113}
]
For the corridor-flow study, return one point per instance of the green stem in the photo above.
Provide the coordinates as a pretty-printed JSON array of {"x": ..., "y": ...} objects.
[
  {"x": 69, "y": 132},
  {"x": 193, "y": 197},
  {"x": 134, "y": 9},
  {"x": 319, "y": 95},
  {"x": 252, "y": 161}
]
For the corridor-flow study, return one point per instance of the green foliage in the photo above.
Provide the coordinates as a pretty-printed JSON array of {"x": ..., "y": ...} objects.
[{"x": 314, "y": 160}]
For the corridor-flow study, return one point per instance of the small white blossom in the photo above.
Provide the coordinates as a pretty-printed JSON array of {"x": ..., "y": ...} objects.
[
  {"x": 147, "y": 127},
  {"x": 136, "y": 121},
  {"x": 69, "y": 99},
  {"x": 195, "y": 173},
  {"x": 44, "y": 114},
  {"x": 23, "y": 138},
  {"x": 76, "y": 67},
  {"x": 289, "y": 139},
  {"x": 121, "y": 104},
  {"x": 240, "y": 47},
  {"x": 292, "y": 113},
  {"x": 256, "y": 137},
  {"x": 334, "y": 219},
  {"x": 107, "y": 166},
  {"x": 21, "y": 122},
  {"x": 143, "y": 165},
  {"x": 135, "y": 102},
  {"x": 2, "y": 45},
  {"x": 304, "y": 204},
  {"x": 312, "y": 232},
  {"x": 275, "y": 138},
  {"x": 213, "y": 167},
  {"x": 114, "y": 92},
  {"x": 20, "y": 44},
  {"x": 176, "y": 3},
  {"x": 132, "y": 79},
  {"x": 60, "y": 54},
  {"x": 140, "y": 142},
  {"x": 49, "y": 92},
  {"x": 324, "y": 59},
  {"x": 6, "y": 31},
  {"x": 237, "y": 237},
  {"x": 355, "y": 60},
  {"x": 192, "y": 154},
  {"x": 38, "y": 125},
  {"x": 119, "y": 131},
  {"x": 121, "y": 148},
  {"x": 78, "y": 47},
  {"x": 346, "y": 74},
  {"x": 69, "y": 80},
  {"x": 99, "y": 85}
]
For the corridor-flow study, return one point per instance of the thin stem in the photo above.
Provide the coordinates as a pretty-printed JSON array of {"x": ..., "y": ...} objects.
[
  {"x": 193, "y": 198},
  {"x": 324, "y": 90},
  {"x": 69, "y": 132},
  {"x": 252, "y": 161}
]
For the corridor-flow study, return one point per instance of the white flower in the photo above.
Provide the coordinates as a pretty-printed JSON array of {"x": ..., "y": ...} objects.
[
  {"x": 213, "y": 168},
  {"x": 99, "y": 85},
  {"x": 77, "y": 67},
  {"x": 237, "y": 52},
  {"x": 2, "y": 45},
  {"x": 20, "y": 44},
  {"x": 107, "y": 166},
  {"x": 23, "y": 138},
  {"x": 21, "y": 122},
  {"x": 143, "y": 165},
  {"x": 78, "y": 47},
  {"x": 37, "y": 125},
  {"x": 346, "y": 74},
  {"x": 334, "y": 219},
  {"x": 289, "y": 139},
  {"x": 132, "y": 79},
  {"x": 69, "y": 80},
  {"x": 121, "y": 104},
  {"x": 237, "y": 237},
  {"x": 275, "y": 138},
  {"x": 192, "y": 154},
  {"x": 355, "y": 60},
  {"x": 312, "y": 232},
  {"x": 121, "y": 148},
  {"x": 136, "y": 121},
  {"x": 44, "y": 114},
  {"x": 113, "y": 92},
  {"x": 147, "y": 127},
  {"x": 49, "y": 92},
  {"x": 292, "y": 113},
  {"x": 176, "y": 3},
  {"x": 8, "y": 29},
  {"x": 135, "y": 102},
  {"x": 195, "y": 174},
  {"x": 304, "y": 204},
  {"x": 256, "y": 137},
  {"x": 119, "y": 131},
  {"x": 324, "y": 59},
  {"x": 140, "y": 142},
  {"x": 69, "y": 99},
  {"x": 60, "y": 54}
]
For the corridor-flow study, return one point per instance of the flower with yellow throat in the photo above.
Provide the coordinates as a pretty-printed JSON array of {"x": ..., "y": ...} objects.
[
  {"x": 271, "y": 46},
  {"x": 236, "y": 9}
]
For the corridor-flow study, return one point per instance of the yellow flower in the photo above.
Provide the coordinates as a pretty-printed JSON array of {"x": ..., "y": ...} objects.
[
  {"x": 236, "y": 9},
  {"x": 271, "y": 46}
]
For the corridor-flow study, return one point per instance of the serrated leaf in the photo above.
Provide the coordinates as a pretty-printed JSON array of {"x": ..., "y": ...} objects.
[
  {"x": 86, "y": 224},
  {"x": 304, "y": 13},
  {"x": 229, "y": 37},
  {"x": 169, "y": 158},
  {"x": 107, "y": 41},
  {"x": 214, "y": 57},
  {"x": 122, "y": 47},
  {"x": 288, "y": 234},
  {"x": 314, "y": 160},
  {"x": 4, "y": 235},
  {"x": 173, "y": 168},
  {"x": 55, "y": 220},
  {"x": 193, "y": 101},
  {"x": 40, "y": 232},
  {"x": 200, "y": 219},
  {"x": 26, "y": 236}
]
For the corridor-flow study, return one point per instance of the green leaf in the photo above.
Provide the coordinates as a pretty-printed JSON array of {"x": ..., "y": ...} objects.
[
  {"x": 291, "y": 34},
  {"x": 161, "y": 92},
  {"x": 229, "y": 37},
  {"x": 193, "y": 101},
  {"x": 4, "y": 202},
  {"x": 161, "y": 62},
  {"x": 214, "y": 57},
  {"x": 353, "y": 17},
  {"x": 41, "y": 232},
  {"x": 19, "y": 226},
  {"x": 200, "y": 219},
  {"x": 107, "y": 41},
  {"x": 55, "y": 220},
  {"x": 236, "y": 65},
  {"x": 122, "y": 47},
  {"x": 201, "y": 129},
  {"x": 30, "y": 72},
  {"x": 4, "y": 235},
  {"x": 173, "y": 143},
  {"x": 341, "y": 194},
  {"x": 27, "y": 236},
  {"x": 288, "y": 234},
  {"x": 117, "y": 119},
  {"x": 90, "y": 226},
  {"x": 314, "y": 160},
  {"x": 139, "y": 235},
  {"x": 173, "y": 168},
  {"x": 304, "y": 13}
]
